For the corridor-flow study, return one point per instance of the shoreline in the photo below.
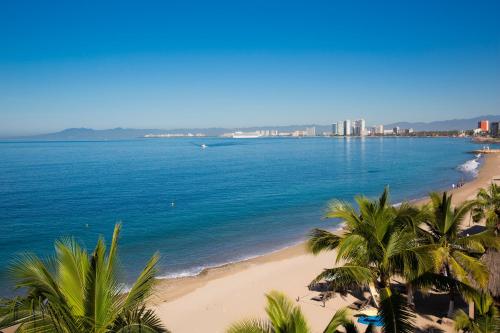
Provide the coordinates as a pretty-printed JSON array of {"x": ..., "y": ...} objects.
[{"x": 211, "y": 292}]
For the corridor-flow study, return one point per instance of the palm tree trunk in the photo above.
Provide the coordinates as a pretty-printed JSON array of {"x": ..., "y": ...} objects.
[
  {"x": 451, "y": 306},
  {"x": 409, "y": 294}
]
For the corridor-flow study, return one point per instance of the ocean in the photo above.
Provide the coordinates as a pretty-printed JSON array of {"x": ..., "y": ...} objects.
[{"x": 200, "y": 208}]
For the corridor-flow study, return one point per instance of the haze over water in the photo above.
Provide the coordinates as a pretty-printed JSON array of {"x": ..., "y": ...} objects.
[{"x": 203, "y": 207}]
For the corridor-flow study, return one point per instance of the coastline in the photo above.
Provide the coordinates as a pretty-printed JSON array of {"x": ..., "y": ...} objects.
[{"x": 221, "y": 295}]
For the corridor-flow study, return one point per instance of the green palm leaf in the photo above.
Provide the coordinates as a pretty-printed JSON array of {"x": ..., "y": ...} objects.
[
  {"x": 340, "y": 319},
  {"x": 396, "y": 314},
  {"x": 251, "y": 326},
  {"x": 346, "y": 276},
  {"x": 75, "y": 292},
  {"x": 139, "y": 320},
  {"x": 322, "y": 240},
  {"x": 283, "y": 317}
]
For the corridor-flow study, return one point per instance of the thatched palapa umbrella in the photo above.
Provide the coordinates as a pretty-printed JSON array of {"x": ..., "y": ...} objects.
[{"x": 492, "y": 259}]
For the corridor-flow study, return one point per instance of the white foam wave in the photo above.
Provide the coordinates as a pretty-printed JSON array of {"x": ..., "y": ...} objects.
[
  {"x": 185, "y": 273},
  {"x": 195, "y": 271},
  {"x": 471, "y": 166}
]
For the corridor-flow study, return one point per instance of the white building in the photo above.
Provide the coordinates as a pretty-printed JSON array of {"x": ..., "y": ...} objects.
[
  {"x": 347, "y": 127},
  {"x": 310, "y": 131},
  {"x": 334, "y": 129},
  {"x": 340, "y": 128},
  {"x": 388, "y": 132},
  {"x": 359, "y": 127},
  {"x": 362, "y": 127},
  {"x": 379, "y": 129}
]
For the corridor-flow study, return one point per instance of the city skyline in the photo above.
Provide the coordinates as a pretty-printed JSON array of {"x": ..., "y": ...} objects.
[{"x": 173, "y": 65}]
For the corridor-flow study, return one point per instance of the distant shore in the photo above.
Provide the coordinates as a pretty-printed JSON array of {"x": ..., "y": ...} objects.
[{"x": 219, "y": 296}]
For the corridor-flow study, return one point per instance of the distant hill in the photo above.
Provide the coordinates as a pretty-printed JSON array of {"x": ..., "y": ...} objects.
[
  {"x": 445, "y": 125},
  {"x": 81, "y": 134}
]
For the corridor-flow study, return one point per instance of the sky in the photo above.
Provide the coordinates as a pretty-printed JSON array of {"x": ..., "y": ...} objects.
[{"x": 178, "y": 64}]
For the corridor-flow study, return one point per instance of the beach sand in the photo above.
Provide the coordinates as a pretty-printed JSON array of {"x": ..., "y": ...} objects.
[{"x": 220, "y": 296}]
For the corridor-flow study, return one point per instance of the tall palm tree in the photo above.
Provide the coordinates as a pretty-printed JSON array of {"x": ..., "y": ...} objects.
[
  {"x": 456, "y": 254},
  {"x": 486, "y": 318},
  {"x": 487, "y": 207},
  {"x": 79, "y": 292},
  {"x": 283, "y": 317},
  {"x": 377, "y": 242}
]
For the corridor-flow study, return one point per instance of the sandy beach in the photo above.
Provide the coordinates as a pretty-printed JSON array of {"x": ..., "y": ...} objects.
[{"x": 218, "y": 297}]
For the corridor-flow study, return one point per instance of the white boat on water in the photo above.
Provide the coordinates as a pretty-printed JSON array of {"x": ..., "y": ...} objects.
[
  {"x": 246, "y": 135},
  {"x": 203, "y": 146}
]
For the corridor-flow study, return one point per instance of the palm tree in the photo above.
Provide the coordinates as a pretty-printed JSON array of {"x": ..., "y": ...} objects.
[
  {"x": 378, "y": 242},
  {"x": 487, "y": 207},
  {"x": 456, "y": 254},
  {"x": 79, "y": 292},
  {"x": 283, "y": 317},
  {"x": 486, "y": 318}
]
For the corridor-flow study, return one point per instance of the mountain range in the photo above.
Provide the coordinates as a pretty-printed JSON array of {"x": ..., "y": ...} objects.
[{"x": 132, "y": 133}]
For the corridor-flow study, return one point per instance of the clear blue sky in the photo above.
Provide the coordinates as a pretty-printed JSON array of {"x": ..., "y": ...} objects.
[{"x": 171, "y": 64}]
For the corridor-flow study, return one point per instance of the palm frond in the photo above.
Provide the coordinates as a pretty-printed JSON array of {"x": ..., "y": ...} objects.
[
  {"x": 396, "y": 314},
  {"x": 251, "y": 326},
  {"x": 143, "y": 286},
  {"x": 477, "y": 242},
  {"x": 445, "y": 283},
  {"x": 137, "y": 321},
  {"x": 284, "y": 316},
  {"x": 340, "y": 319},
  {"x": 475, "y": 268},
  {"x": 346, "y": 276},
  {"x": 113, "y": 249},
  {"x": 322, "y": 240},
  {"x": 72, "y": 266}
]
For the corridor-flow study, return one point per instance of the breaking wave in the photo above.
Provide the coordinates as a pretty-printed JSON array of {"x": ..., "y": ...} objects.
[{"x": 471, "y": 166}]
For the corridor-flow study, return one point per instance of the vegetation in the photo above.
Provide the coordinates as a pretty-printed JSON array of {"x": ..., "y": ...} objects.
[
  {"x": 486, "y": 318},
  {"x": 424, "y": 246},
  {"x": 283, "y": 317},
  {"x": 456, "y": 255},
  {"x": 378, "y": 243},
  {"x": 79, "y": 292},
  {"x": 487, "y": 207}
]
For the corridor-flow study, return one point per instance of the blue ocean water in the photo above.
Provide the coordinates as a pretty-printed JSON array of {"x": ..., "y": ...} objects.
[{"x": 203, "y": 207}]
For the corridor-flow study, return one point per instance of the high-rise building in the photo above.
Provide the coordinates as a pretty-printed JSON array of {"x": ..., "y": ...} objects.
[
  {"x": 334, "y": 129},
  {"x": 347, "y": 127},
  {"x": 361, "y": 127},
  {"x": 484, "y": 125},
  {"x": 396, "y": 130},
  {"x": 494, "y": 130},
  {"x": 379, "y": 129},
  {"x": 310, "y": 131},
  {"x": 340, "y": 128},
  {"x": 355, "y": 128}
]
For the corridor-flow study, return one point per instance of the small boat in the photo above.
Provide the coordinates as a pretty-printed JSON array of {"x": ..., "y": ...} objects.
[{"x": 203, "y": 146}]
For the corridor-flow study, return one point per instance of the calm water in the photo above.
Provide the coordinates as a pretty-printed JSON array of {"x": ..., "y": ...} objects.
[{"x": 234, "y": 199}]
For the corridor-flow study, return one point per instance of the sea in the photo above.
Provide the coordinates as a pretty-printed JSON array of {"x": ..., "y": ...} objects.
[{"x": 204, "y": 202}]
